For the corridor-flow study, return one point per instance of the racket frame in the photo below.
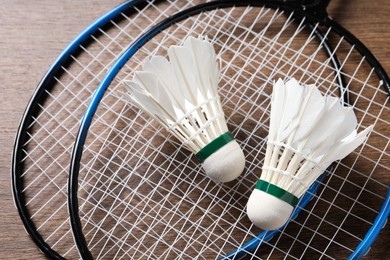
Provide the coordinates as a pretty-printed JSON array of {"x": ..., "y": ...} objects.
[
  {"x": 315, "y": 12},
  {"x": 32, "y": 109}
]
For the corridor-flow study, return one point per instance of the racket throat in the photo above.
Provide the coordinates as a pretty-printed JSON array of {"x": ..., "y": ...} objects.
[{"x": 310, "y": 10}]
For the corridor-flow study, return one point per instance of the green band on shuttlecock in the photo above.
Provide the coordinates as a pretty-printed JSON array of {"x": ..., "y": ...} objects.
[
  {"x": 214, "y": 145},
  {"x": 277, "y": 192}
]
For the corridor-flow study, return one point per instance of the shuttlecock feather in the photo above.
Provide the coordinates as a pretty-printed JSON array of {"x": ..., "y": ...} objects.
[
  {"x": 307, "y": 132},
  {"x": 182, "y": 95}
]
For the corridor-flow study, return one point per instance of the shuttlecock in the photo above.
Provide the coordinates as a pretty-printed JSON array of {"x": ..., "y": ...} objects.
[
  {"x": 182, "y": 95},
  {"x": 307, "y": 133}
]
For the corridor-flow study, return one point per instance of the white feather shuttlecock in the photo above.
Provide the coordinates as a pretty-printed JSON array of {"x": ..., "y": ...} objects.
[
  {"x": 182, "y": 95},
  {"x": 307, "y": 132}
]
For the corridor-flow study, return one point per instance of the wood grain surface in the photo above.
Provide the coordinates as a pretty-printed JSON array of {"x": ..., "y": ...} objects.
[{"x": 33, "y": 34}]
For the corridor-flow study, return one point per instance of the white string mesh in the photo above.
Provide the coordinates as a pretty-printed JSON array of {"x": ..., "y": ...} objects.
[
  {"x": 53, "y": 127},
  {"x": 143, "y": 195}
]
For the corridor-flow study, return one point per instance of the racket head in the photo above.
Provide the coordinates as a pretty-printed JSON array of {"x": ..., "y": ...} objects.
[
  {"x": 130, "y": 165},
  {"x": 45, "y": 137}
]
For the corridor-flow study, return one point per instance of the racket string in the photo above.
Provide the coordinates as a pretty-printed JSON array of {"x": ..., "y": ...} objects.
[
  {"x": 321, "y": 69},
  {"x": 248, "y": 58},
  {"x": 49, "y": 142}
]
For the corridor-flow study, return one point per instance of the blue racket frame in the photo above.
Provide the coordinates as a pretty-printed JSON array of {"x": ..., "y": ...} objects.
[
  {"x": 312, "y": 13},
  {"x": 32, "y": 107}
]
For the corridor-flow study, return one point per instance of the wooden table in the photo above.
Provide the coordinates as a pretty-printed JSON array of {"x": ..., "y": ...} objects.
[{"x": 33, "y": 33}]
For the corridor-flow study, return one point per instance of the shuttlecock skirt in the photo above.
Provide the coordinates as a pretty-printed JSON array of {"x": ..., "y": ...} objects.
[
  {"x": 182, "y": 95},
  {"x": 307, "y": 132}
]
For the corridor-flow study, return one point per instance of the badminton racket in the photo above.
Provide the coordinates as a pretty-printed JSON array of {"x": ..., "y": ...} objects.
[
  {"x": 47, "y": 130},
  {"x": 136, "y": 192}
]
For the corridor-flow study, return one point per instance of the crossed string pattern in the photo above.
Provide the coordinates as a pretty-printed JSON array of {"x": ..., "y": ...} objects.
[
  {"x": 143, "y": 195},
  {"x": 205, "y": 218},
  {"x": 54, "y": 124}
]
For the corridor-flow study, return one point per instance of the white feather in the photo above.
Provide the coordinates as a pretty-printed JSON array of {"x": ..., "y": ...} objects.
[
  {"x": 278, "y": 97},
  {"x": 184, "y": 67},
  {"x": 291, "y": 107},
  {"x": 323, "y": 136},
  {"x": 163, "y": 70},
  {"x": 347, "y": 145},
  {"x": 205, "y": 63},
  {"x": 147, "y": 91},
  {"x": 141, "y": 98}
]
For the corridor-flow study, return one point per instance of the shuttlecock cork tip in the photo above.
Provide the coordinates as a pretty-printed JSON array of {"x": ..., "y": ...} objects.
[
  {"x": 269, "y": 207},
  {"x": 222, "y": 159}
]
